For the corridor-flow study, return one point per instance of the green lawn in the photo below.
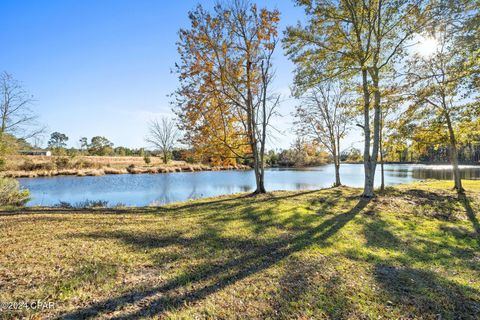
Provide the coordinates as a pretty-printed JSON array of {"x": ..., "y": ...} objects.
[{"x": 410, "y": 253}]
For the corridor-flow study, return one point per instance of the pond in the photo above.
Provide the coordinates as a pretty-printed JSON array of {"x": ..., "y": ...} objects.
[{"x": 153, "y": 189}]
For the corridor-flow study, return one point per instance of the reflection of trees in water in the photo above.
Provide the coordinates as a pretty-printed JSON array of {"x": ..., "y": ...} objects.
[
  {"x": 445, "y": 174},
  {"x": 165, "y": 193},
  {"x": 232, "y": 188},
  {"x": 397, "y": 172},
  {"x": 194, "y": 194},
  {"x": 245, "y": 188},
  {"x": 302, "y": 186}
]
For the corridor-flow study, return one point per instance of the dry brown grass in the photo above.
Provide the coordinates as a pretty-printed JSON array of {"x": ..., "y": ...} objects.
[{"x": 42, "y": 166}]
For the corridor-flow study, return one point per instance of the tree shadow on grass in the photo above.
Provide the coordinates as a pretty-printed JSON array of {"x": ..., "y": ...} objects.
[
  {"x": 312, "y": 285},
  {"x": 438, "y": 205},
  {"x": 212, "y": 276},
  {"x": 378, "y": 235},
  {"x": 470, "y": 213},
  {"x": 421, "y": 291},
  {"x": 223, "y": 203}
]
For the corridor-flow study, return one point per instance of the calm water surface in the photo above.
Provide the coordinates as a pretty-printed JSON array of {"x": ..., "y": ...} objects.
[{"x": 146, "y": 189}]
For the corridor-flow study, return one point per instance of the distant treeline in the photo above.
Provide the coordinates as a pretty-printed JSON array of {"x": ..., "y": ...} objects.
[
  {"x": 441, "y": 154},
  {"x": 299, "y": 154}
]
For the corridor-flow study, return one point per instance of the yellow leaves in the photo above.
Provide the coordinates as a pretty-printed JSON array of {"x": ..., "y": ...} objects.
[
  {"x": 220, "y": 65},
  {"x": 268, "y": 25}
]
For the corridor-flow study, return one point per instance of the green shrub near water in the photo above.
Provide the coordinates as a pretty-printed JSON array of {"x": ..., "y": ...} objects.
[{"x": 11, "y": 194}]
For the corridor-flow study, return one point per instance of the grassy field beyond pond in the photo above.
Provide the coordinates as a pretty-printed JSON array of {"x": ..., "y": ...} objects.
[
  {"x": 43, "y": 166},
  {"x": 412, "y": 252}
]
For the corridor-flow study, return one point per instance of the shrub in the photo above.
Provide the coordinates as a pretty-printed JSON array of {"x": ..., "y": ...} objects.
[
  {"x": 3, "y": 162},
  {"x": 44, "y": 166},
  {"x": 91, "y": 204},
  {"x": 29, "y": 165},
  {"x": 147, "y": 159},
  {"x": 84, "y": 164},
  {"x": 131, "y": 168},
  {"x": 62, "y": 163},
  {"x": 119, "y": 205},
  {"x": 63, "y": 205},
  {"x": 86, "y": 204},
  {"x": 11, "y": 194}
]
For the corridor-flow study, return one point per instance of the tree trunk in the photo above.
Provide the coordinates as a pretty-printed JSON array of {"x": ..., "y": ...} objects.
[
  {"x": 165, "y": 158},
  {"x": 371, "y": 161},
  {"x": 457, "y": 179},
  {"x": 259, "y": 175},
  {"x": 261, "y": 183},
  {"x": 337, "y": 175},
  {"x": 336, "y": 158},
  {"x": 251, "y": 125},
  {"x": 368, "y": 187},
  {"x": 382, "y": 185}
]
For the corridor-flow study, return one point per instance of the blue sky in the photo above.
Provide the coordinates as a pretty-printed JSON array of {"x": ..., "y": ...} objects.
[{"x": 103, "y": 67}]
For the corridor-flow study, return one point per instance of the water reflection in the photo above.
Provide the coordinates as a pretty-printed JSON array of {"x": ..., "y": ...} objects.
[
  {"x": 139, "y": 190},
  {"x": 470, "y": 173}
]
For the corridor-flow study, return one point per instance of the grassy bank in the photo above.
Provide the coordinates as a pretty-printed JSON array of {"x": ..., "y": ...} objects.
[
  {"x": 410, "y": 253},
  {"x": 42, "y": 166}
]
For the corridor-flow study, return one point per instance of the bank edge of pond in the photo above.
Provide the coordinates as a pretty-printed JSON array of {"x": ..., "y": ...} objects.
[
  {"x": 127, "y": 170},
  {"x": 66, "y": 207}
]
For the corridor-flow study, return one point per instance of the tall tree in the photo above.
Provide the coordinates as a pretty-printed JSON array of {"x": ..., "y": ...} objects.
[
  {"x": 225, "y": 75},
  {"x": 163, "y": 135},
  {"x": 468, "y": 37},
  {"x": 16, "y": 116},
  {"x": 100, "y": 146},
  {"x": 438, "y": 84},
  {"x": 83, "y": 142},
  {"x": 324, "y": 116},
  {"x": 57, "y": 140},
  {"x": 359, "y": 40}
]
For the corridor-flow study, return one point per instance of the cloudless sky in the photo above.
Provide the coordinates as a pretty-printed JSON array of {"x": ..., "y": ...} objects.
[{"x": 104, "y": 67}]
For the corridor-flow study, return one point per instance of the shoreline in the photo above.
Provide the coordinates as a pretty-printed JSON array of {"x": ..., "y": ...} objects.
[
  {"x": 471, "y": 185},
  {"x": 82, "y": 172},
  {"x": 111, "y": 170}
]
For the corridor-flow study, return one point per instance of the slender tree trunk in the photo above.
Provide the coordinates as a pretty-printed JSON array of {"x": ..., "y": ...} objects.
[
  {"x": 371, "y": 164},
  {"x": 338, "y": 183},
  {"x": 165, "y": 157},
  {"x": 256, "y": 162},
  {"x": 263, "y": 138},
  {"x": 259, "y": 175},
  {"x": 370, "y": 160},
  {"x": 382, "y": 185},
  {"x": 261, "y": 182},
  {"x": 251, "y": 125},
  {"x": 368, "y": 182},
  {"x": 336, "y": 158},
  {"x": 259, "y": 171},
  {"x": 457, "y": 179}
]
